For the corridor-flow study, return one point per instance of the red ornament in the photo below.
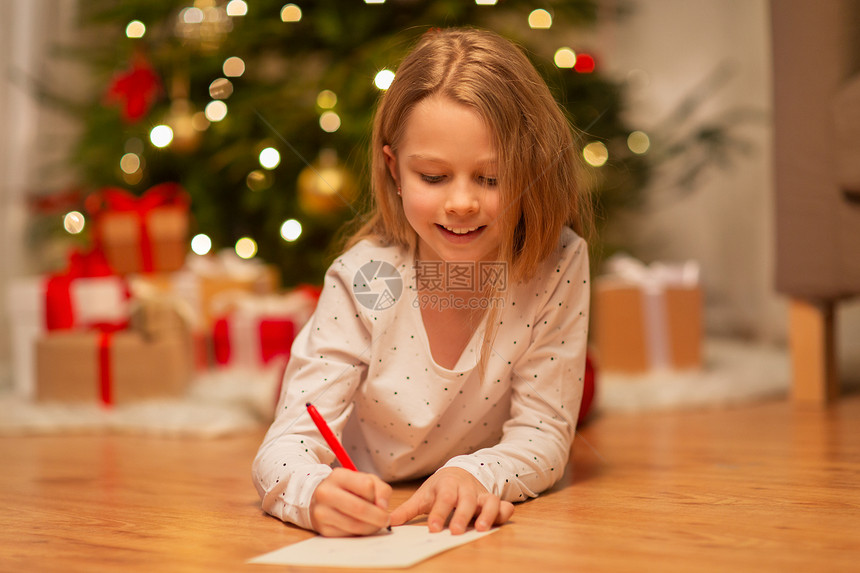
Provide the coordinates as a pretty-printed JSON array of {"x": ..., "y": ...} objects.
[
  {"x": 135, "y": 88},
  {"x": 584, "y": 64}
]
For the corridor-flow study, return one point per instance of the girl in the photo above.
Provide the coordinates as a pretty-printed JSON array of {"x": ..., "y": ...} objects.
[{"x": 450, "y": 337}]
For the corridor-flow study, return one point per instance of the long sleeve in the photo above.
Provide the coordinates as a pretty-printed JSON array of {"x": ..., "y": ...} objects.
[
  {"x": 546, "y": 381},
  {"x": 328, "y": 362}
]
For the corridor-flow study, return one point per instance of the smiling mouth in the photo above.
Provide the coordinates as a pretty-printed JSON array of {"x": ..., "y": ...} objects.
[{"x": 461, "y": 230}]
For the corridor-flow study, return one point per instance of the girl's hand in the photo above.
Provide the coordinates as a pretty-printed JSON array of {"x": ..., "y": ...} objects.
[
  {"x": 454, "y": 489},
  {"x": 350, "y": 503}
]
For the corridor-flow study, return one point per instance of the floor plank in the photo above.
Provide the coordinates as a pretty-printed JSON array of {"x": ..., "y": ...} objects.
[{"x": 765, "y": 487}]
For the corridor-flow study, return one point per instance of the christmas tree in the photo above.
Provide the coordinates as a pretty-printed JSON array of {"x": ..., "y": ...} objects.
[{"x": 262, "y": 110}]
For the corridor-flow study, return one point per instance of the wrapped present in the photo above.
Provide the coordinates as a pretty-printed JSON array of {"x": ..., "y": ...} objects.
[
  {"x": 110, "y": 367},
  {"x": 84, "y": 295},
  {"x": 259, "y": 329},
  {"x": 648, "y": 317},
  {"x": 142, "y": 234},
  {"x": 152, "y": 358},
  {"x": 207, "y": 284}
]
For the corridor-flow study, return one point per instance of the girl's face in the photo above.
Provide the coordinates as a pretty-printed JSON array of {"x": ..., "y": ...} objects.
[{"x": 446, "y": 167}]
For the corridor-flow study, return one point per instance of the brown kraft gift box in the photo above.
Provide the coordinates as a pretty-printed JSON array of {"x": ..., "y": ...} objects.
[
  {"x": 69, "y": 367},
  {"x": 121, "y": 239},
  {"x": 622, "y": 328}
]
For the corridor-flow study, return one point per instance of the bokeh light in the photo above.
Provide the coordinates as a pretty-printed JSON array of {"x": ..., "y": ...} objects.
[
  {"x": 291, "y": 230},
  {"x": 638, "y": 142},
  {"x": 129, "y": 163},
  {"x": 327, "y": 99},
  {"x": 161, "y": 136},
  {"x": 201, "y": 244},
  {"x": 215, "y": 110},
  {"x": 233, "y": 67},
  {"x": 565, "y": 58},
  {"x": 330, "y": 122},
  {"x": 291, "y": 13},
  {"x": 222, "y": 88},
  {"x": 383, "y": 79},
  {"x": 246, "y": 248},
  {"x": 540, "y": 19},
  {"x": 135, "y": 29},
  {"x": 258, "y": 180},
  {"x": 270, "y": 158},
  {"x": 237, "y": 8},
  {"x": 595, "y": 154},
  {"x": 74, "y": 222}
]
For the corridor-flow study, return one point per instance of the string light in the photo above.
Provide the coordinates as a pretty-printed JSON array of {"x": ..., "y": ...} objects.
[
  {"x": 201, "y": 244},
  {"x": 246, "y": 248},
  {"x": 74, "y": 222},
  {"x": 270, "y": 158},
  {"x": 291, "y": 230},
  {"x": 486, "y": 2},
  {"x": 233, "y": 67},
  {"x": 291, "y": 13},
  {"x": 135, "y": 29},
  {"x": 540, "y": 19},
  {"x": 374, "y": 1},
  {"x": 595, "y": 154},
  {"x": 383, "y": 79},
  {"x": 161, "y": 136},
  {"x": 330, "y": 122},
  {"x": 237, "y": 8},
  {"x": 565, "y": 58},
  {"x": 215, "y": 110},
  {"x": 638, "y": 142}
]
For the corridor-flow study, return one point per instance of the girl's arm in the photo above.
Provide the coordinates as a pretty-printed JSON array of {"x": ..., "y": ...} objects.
[{"x": 327, "y": 363}]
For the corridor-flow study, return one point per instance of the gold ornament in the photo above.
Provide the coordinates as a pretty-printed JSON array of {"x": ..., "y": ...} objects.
[
  {"x": 180, "y": 118},
  {"x": 327, "y": 186}
]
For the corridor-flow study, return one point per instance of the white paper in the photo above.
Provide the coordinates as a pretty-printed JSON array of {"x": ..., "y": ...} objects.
[{"x": 403, "y": 547}]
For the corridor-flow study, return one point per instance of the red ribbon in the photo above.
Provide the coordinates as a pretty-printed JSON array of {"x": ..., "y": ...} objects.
[
  {"x": 105, "y": 374},
  {"x": 114, "y": 199},
  {"x": 59, "y": 310},
  {"x": 221, "y": 341}
]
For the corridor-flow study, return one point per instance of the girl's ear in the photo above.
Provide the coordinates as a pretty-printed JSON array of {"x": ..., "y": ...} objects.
[{"x": 391, "y": 163}]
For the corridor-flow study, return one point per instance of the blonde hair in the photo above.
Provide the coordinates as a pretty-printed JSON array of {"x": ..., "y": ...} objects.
[{"x": 534, "y": 142}]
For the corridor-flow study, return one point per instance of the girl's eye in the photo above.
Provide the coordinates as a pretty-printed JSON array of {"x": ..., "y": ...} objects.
[
  {"x": 431, "y": 178},
  {"x": 488, "y": 181}
]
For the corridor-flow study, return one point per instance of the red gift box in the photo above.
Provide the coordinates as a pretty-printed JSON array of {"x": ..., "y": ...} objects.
[{"x": 141, "y": 234}]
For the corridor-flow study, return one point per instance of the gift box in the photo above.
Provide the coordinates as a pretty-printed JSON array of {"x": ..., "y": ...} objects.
[
  {"x": 84, "y": 295},
  {"x": 648, "y": 317},
  {"x": 259, "y": 329},
  {"x": 208, "y": 284},
  {"x": 110, "y": 367},
  {"x": 142, "y": 234}
]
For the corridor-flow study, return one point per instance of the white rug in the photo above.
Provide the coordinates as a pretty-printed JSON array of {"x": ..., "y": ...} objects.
[{"x": 733, "y": 372}]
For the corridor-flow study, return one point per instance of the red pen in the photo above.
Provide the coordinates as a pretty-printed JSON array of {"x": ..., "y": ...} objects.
[{"x": 330, "y": 438}]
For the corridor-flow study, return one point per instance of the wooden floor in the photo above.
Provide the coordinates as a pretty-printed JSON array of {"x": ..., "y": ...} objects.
[{"x": 767, "y": 487}]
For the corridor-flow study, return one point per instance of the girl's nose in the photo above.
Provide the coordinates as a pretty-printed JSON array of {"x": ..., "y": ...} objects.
[{"x": 462, "y": 198}]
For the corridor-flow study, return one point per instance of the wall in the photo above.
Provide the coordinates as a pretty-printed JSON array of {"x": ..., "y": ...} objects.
[{"x": 32, "y": 138}]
